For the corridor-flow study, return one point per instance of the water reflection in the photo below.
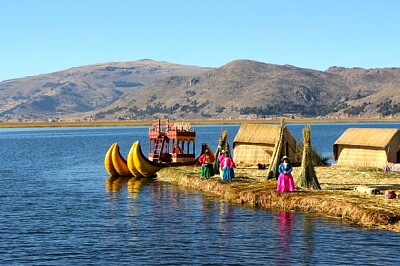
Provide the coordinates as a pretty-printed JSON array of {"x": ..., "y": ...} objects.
[
  {"x": 133, "y": 185},
  {"x": 207, "y": 210},
  {"x": 114, "y": 184},
  {"x": 308, "y": 242},
  {"x": 225, "y": 216},
  {"x": 285, "y": 222}
]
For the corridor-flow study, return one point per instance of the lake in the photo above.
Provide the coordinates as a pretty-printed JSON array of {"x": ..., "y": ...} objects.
[{"x": 56, "y": 208}]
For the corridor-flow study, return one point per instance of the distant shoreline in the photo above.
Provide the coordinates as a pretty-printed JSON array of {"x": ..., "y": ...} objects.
[{"x": 192, "y": 121}]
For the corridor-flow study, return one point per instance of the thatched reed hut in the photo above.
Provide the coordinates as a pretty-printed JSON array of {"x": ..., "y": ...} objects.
[
  {"x": 254, "y": 144},
  {"x": 372, "y": 147}
]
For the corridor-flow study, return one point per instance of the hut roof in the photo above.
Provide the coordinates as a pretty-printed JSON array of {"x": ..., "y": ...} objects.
[
  {"x": 258, "y": 134},
  {"x": 367, "y": 137}
]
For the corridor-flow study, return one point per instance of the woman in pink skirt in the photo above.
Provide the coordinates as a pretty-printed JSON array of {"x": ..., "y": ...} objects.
[{"x": 285, "y": 178}]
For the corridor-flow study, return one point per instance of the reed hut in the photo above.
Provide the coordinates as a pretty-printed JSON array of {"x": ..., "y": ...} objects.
[
  {"x": 254, "y": 144},
  {"x": 371, "y": 147}
]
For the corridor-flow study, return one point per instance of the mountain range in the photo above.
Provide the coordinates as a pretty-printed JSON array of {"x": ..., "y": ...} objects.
[{"x": 148, "y": 89}]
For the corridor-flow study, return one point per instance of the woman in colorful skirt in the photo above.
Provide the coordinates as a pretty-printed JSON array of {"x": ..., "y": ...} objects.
[
  {"x": 206, "y": 160},
  {"x": 227, "y": 166},
  {"x": 285, "y": 178},
  {"x": 220, "y": 159}
]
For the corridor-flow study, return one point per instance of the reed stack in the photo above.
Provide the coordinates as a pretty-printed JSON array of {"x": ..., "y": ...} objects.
[
  {"x": 277, "y": 154},
  {"x": 307, "y": 177}
]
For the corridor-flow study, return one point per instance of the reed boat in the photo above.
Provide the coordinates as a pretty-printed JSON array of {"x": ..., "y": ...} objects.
[
  {"x": 169, "y": 146},
  {"x": 140, "y": 163},
  {"x": 119, "y": 162},
  {"x": 108, "y": 163}
]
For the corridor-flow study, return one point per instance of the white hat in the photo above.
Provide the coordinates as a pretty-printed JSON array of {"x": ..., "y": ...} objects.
[{"x": 285, "y": 157}]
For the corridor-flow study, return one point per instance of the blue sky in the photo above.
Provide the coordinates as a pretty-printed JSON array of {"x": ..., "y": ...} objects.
[{"x": 43, "y": 36}]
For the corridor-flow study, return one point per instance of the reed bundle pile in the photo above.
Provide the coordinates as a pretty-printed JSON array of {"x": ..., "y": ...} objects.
[
  {"x": 307, "y": 177},
  {"x": 223, "y": 145},
  {"x": 276, "y": 154}
]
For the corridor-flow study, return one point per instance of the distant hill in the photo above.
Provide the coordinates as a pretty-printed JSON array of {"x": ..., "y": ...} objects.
[
  {"x": 149, "y": 89},
  {"x": 81, "y": 89}
]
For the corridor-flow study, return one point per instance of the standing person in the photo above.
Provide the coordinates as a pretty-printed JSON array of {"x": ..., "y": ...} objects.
[
  {"x": 221, "y": 157},
  {"x": 285, "y": 178},
  {"x": 206, "y": 160},
  {"x": 227, "y": 166}
]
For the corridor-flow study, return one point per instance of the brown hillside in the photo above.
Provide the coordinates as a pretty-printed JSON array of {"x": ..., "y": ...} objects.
[
  {"x": 245, "y": 87},
  {"x": 81, "y": 89},
  {"x": 147, "y": 89}
]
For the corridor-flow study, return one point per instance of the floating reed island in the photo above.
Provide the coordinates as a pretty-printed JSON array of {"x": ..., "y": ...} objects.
[{"x": 340, "y": 195}]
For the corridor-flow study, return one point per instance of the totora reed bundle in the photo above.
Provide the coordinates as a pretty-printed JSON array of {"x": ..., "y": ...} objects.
[
  {"x": 307, "y": 177},
  {"x": 223, "y": 145},
  {"x": 276, "y": 155}
]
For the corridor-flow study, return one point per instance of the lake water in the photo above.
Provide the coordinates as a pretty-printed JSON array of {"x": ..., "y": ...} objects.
[{"x": 55, "y": 208}]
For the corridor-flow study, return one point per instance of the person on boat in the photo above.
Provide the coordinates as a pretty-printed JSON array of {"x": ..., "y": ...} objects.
[
  {"x": 206, "y": 160},
  {"x": 177, "y": 150},
  {"x": 227, "y": 166},
  {"x": 285, "y": 178},
  {"x": 221, "y": 157}
]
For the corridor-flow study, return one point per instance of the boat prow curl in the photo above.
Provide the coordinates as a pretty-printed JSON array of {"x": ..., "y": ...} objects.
[{"x": 139, "y": 161}]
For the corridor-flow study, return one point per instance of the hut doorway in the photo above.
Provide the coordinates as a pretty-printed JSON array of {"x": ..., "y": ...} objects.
[{"x": 398, "y": 157}]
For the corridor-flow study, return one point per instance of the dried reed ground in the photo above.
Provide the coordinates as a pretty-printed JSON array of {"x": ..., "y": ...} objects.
[{"x": 336, "y": 199}]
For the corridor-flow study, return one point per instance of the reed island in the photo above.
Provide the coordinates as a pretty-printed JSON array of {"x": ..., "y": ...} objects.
[{"x": 338, "y": 197}]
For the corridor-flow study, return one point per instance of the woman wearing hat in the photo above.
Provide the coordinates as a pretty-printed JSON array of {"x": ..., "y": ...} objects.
[{"x": 285, "y": 178}]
